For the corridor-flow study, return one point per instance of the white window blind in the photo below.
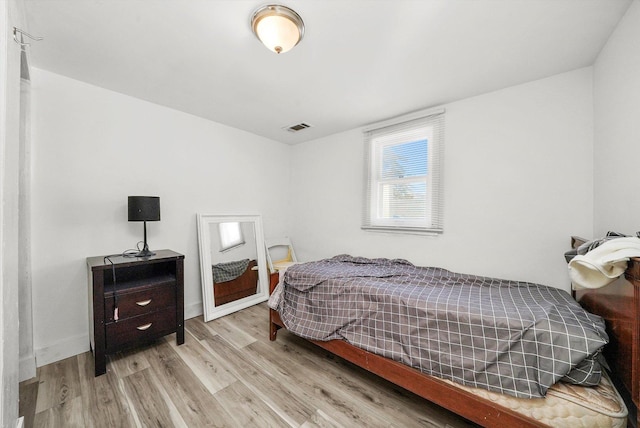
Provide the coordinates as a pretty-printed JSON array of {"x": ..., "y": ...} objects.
[
  {"x": 403, "y": 182},
  {"x": 230, "y": 235}
]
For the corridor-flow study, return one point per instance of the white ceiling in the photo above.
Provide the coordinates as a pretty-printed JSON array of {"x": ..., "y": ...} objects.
[{"x": 360, "y": 60}]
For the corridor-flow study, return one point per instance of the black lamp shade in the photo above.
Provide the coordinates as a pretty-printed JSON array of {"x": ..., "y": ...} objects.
[{"x": 144, "y": 208}]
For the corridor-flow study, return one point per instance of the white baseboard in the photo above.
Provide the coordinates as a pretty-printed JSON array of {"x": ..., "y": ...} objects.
[
  {"x": 20, "y": 422},
  {"x": 79, "y": 344},
  {"x": 27, "y": 368},
  {"x": 193, "y": 310},
  {"x": 65, "y": 349}
]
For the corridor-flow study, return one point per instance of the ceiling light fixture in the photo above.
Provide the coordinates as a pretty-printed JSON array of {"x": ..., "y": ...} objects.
[{"x": 278, "y": 27}]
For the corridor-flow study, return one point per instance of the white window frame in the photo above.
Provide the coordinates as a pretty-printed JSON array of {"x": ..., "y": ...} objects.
[{"x": 425, "y": 125}]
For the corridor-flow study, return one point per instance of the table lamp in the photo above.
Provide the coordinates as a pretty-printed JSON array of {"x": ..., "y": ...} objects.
[{"x": 144, "y": 208}]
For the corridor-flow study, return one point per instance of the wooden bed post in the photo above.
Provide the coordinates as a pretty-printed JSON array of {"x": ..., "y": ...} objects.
[{"x": 275, "y": 323}]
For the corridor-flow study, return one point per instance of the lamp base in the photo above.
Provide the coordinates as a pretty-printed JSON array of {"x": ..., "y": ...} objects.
[
  {"x": 144, "y": 253},
  {"x": 145, "y": 250}
]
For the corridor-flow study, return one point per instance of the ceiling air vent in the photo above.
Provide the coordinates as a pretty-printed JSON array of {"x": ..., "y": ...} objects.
[{"x": 297, "y": 127}]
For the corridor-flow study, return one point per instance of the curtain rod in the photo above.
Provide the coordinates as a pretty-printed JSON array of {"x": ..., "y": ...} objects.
[{"x": 24, "y": 33}]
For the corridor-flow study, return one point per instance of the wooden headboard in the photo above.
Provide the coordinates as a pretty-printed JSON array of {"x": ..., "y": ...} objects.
[{"x": 619, "y": 304}]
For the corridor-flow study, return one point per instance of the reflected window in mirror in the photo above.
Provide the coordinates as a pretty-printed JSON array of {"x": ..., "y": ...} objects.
[{"x": 231, "y": 235}]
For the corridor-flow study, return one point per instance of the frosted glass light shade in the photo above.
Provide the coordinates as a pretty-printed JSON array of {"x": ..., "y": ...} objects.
[{"x": 278, "y": 27}]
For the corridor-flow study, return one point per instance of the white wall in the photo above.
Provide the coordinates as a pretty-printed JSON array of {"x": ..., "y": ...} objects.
[
  {"x": 91, "y": 149},
  {"x": 617, "y": 128},
  {"x": 518, "y": 183}
]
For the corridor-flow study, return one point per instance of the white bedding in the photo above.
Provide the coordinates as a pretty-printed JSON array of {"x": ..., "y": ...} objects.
[{"x": 603, "y": 264}]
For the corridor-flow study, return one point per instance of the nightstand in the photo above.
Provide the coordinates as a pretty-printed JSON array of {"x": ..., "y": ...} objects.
[{"x": 149, "y": 295}]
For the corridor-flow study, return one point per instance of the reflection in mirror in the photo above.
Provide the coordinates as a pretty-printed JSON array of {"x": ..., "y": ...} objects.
[
  {"x": 232, "y": 263},
  {"x": 235, "y": 266}
]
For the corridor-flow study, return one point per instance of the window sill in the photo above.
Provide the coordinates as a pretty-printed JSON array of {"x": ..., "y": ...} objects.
[{"x": 403, "y": 230}]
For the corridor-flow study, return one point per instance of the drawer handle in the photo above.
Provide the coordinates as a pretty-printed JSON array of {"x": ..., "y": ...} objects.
[
  {"x": 143, "y": 303},
  {"x": 144, "y": 327}
]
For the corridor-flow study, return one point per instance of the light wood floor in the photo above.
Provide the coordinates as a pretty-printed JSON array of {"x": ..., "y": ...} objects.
[{"x": 227, "y": 373}]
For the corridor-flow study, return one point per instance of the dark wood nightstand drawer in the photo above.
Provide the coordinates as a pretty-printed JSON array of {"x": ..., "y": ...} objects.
[
  {"x": 132, "y": 331},
  {"x": 150, "y": 295},
  {"x": 138, "y": 303}
]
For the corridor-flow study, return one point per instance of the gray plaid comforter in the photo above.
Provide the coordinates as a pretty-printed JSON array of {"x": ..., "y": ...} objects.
[
  {"x": 510, "y": 337},
  {"x": 228, "y": 271}
]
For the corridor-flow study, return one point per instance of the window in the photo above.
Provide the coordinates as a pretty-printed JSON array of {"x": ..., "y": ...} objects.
[
  {"x": 403, "y": 166},
  {"x": 230, "y": 235}
]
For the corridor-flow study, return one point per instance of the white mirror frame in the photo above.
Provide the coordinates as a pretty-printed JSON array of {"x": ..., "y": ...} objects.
[{"x": 210, "y": 310}]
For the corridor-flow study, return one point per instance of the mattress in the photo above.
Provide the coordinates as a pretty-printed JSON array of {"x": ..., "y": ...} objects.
[{"x": 565, "y": 405}]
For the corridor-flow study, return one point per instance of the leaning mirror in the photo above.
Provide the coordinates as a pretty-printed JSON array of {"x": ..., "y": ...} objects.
[{"x": 233, "y": 264}]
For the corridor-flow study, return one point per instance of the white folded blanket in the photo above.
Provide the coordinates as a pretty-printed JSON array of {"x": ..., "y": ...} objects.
[{"x": 604, "y": 263}]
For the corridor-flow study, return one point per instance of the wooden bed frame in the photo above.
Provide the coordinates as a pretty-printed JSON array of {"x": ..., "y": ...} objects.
[
  {"x": 243, "y": 286},
  {"x": 620, "y": 307}
]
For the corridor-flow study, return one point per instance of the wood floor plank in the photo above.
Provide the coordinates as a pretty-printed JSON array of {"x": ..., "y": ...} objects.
[
  {"x": 363, "y": 386},
  {"x": 103, "y": 399},
  {"x": 198, "y": 328},
  {"x": 246, "y": 408},
  {"x": 253, "y": 320},
  {"x": 311, "y": 382},
  {"x": 192, "y": 399},
  {"x": 321, "y": 420},
  {"x": 148, "y": 402},
  {"x": 213, "y": 375},
  {"x": 276, "y": 394},
  {"x": 69, "y": 414},
  {"x": 232, "y": 333},
  {"x": 365, "y": 389},
  {"x": 28, "y": 396},
  {"x": 58, "y": 383},
  {"x": 128, "y": 362}
]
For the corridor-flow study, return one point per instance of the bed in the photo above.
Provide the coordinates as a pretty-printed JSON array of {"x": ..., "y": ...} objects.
[
  {"x": 234, "y": 280},
  {"x": 563, "y": 405}
]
